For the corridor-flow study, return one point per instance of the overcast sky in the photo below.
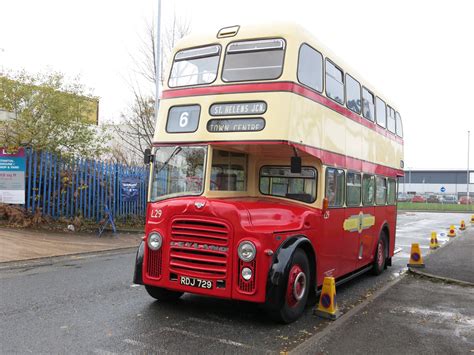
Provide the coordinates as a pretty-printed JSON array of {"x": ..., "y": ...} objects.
[{"x": 418, "y": 54}]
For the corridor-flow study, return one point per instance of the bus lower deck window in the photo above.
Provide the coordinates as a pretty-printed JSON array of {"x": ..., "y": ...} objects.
[
  {"x": 279, "y": 181},
  {"x": 335, "y": 183}
]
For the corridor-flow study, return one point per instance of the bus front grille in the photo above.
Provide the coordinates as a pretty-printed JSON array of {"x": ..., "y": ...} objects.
[{"x": 199, "y": 248}]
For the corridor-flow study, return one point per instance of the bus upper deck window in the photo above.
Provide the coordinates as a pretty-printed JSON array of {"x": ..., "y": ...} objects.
[
  {"x": 195, "y": 66},
  {"x": 254, "y": 60},
  {"x": 381, "y": 112},
  {"x": 368, "y": 104},
  {"x": 399, "y": 125}
]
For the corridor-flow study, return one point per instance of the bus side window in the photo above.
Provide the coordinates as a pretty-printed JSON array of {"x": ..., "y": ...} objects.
[
  {"x": 335, "y": 187},
  {"x": 310, "y": 68},
  {"x": 334, "y": 82},
  {"x": 353, "y": 94},
  {"x": 368, "y": 189},
  {"x": 392, "y": 192},
  {"x": 380, "y": 190},
  {"x": 399, "y": 125},
  {"x": 380, "y": 112},
  {"x": 368, "y": 104},
  {"x": 353, "y": 189},
  {"x": 391, "y": 119}
]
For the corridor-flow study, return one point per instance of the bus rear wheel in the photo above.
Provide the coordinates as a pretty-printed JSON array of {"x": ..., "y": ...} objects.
[
  {"x": 296, "y": 291},
  {"x": 162, "y": 294},
  {"x": 380, "y": 255}
]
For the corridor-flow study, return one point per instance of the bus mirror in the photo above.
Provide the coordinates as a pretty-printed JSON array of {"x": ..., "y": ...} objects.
[
  {"x": 147, "y": 156},
  {"x": 325, "y": 204},
  {"x": 296, "y": 165}
]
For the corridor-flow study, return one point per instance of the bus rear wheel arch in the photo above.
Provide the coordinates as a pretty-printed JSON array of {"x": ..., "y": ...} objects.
[{"x": 381, "y": 253}]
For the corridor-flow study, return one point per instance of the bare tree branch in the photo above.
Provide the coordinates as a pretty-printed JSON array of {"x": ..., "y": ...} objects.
[{"x": 138, "y": 120}]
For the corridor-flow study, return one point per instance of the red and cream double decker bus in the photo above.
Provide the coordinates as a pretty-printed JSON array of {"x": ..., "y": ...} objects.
[{"x": 274, "y": 164}]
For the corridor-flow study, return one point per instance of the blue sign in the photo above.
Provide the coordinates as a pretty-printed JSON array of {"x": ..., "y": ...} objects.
[
  {"x": 12, "y": 176},
  {"x": 443, "y": 189},
  {"x": 130, "y": 189}
]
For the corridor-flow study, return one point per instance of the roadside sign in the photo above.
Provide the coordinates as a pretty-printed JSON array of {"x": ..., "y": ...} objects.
[
  {"x": 130, "y": 189},
  {"x": 12, "y": 176},
  {"x": 443, "y": 189}
]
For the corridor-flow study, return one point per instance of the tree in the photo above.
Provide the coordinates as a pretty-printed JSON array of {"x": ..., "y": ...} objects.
[
  {"x": 138, "y": 120},
  {"x": 51, "y": 114}
]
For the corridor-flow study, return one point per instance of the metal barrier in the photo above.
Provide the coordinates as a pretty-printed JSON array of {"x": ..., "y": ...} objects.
[{"x": 69, "y": 188}]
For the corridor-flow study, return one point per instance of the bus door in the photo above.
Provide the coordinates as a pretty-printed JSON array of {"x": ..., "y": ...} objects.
[
  {"x": 352, "y": 219},
  {"x": 366, "y": 222},
  {"x": 343, "y": 244}
]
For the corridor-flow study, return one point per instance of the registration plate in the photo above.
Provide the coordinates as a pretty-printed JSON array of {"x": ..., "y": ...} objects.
[{"x": 193, "y": 282}]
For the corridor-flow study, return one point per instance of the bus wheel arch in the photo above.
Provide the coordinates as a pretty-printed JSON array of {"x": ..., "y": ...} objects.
[
  {"x": 311, "y": 254},
  {"x": 386, "y": 231},
  {"x": 293, "y": 252}
]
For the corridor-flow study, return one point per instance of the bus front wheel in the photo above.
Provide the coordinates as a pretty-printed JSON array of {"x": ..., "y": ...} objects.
[
  {"x": 296, "y": 290},
  {"x": 380, "y": 255},
  {"x": 162, "y": 294}
]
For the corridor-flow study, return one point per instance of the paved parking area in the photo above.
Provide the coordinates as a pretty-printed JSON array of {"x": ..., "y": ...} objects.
[
  {"x": 24, "y": 244},
  {"x": 90, "y": 305}
]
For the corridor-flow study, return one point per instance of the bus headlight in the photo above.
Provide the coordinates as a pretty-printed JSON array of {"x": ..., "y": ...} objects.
[
  {"x": 155, "y": 240},
  {"x": 247, "y": 251}
]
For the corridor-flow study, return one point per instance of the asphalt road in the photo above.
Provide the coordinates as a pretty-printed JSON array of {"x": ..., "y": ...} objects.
[{"x": 90, "y": 306}]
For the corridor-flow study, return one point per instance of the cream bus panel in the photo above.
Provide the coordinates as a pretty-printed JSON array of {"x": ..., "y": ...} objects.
[
  {"x": 289, "y": 117},
  {"x": 277, "y": 125}
]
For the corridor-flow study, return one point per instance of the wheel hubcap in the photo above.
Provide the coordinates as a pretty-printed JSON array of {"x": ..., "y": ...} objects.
[
  {"x": 299, "y": 286},
  {"x": 296, "y": 287}
]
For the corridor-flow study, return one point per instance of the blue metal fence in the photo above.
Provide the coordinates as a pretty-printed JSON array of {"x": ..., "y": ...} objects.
[{"x": 69, "y": 188}]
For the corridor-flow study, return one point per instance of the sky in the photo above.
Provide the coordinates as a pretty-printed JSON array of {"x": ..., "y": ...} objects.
[{"x": 418, "y": 54}]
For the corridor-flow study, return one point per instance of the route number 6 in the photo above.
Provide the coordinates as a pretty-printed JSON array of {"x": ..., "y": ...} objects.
[{"x": 184, "y": 119}]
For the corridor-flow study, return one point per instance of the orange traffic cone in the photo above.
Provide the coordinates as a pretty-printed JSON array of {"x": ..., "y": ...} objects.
[
  {"x": 416, "y": 260},
  {"x": 452, "y": 231},
  {"x": 462, "y": 226},
  {"x": 327, "y": 307},
  {"x": 434, "y": 241}
]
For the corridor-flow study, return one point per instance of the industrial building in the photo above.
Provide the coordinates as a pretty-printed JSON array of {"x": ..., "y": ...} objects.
[{"x": 437, "y": 181}]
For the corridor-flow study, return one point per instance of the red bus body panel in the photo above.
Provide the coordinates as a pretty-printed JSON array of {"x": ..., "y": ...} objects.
[{"x": 193, "y": 228}]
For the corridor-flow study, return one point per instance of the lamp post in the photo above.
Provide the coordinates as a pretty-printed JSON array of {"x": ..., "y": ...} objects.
[
  {"x": 468, "y": 175},
  {"x": 158, "y": 61}
]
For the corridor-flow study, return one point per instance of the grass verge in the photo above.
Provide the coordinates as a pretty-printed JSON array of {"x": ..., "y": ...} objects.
[{"x": 411, "y": 206}]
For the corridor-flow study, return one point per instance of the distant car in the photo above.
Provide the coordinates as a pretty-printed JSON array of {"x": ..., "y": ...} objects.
[
  {"x": 418, "y": 199},
  {"x": 404, "y": 197},
  {"x": 432, "y": 199},
  {"x": 464, "y": 200},
  {"x": 449, "y": 199}
]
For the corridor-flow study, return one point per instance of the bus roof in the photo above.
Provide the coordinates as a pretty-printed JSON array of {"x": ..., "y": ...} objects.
[{"x": 291, "y": 32}]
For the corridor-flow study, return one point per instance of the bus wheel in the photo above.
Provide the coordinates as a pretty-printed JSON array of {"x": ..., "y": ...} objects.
[
  {"x": 162, "y": 294},
  {"x": 297, "y": 289},
  {"x": 380, "y": 255}
]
